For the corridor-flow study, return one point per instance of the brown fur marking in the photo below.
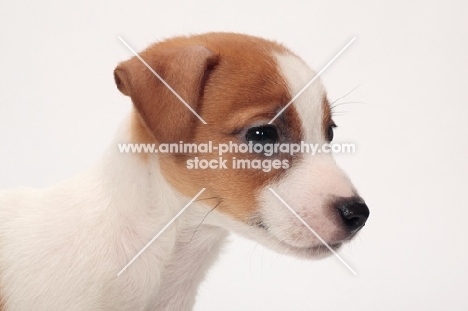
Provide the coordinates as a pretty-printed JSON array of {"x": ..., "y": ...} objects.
[{"x": 240, "y": 88}]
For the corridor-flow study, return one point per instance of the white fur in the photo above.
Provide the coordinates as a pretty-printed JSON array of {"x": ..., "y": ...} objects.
[
  {"x": 61, "y": 248},
  {"x": 309, "y": 104},
  {"x": 308, "y": 187},
  {"x": 310, "y": 184}
]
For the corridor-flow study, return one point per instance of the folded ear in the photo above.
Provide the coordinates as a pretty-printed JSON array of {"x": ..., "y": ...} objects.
[{"x": 185, "y": 69}]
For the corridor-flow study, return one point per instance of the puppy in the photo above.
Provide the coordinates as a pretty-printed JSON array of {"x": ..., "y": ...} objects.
[{"x": 62, "y": 248}]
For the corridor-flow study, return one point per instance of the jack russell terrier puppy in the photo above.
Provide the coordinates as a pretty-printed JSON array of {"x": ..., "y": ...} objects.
[{"x": 61, "y": 248}]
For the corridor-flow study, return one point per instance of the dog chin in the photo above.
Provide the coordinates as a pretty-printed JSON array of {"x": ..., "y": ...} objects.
[
  {"x": 259, "y": 233},
  {"x": 315, "y": 251}
]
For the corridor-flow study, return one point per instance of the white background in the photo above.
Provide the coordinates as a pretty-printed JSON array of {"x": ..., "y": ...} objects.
[{"x": 59, "y": 109}]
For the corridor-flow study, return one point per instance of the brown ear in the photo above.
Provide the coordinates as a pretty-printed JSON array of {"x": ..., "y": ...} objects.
[{"x": 185, "y": 70}]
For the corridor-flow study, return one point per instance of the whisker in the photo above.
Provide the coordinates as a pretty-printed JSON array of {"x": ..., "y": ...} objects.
[
  {"x": 345, "y": 103},
  {"x": 340, "y": 98},
  {"x": 339, "y": 114},
  {"x": 204, "y": 217}
]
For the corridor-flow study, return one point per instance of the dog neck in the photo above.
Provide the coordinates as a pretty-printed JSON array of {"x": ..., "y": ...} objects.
[{"x": 141, "y": 202}]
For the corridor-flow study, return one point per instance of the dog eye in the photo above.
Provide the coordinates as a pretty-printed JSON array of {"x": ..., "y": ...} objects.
[
  {"x": 330, "y": 132},
  {"x": 262, "y": 135}
]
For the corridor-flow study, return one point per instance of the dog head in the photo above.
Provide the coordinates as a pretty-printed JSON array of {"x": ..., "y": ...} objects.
[{"x": 237, "y": 84}]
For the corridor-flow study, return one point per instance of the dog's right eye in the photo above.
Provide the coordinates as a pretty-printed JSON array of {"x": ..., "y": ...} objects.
[{"x": 262, "y": 135}]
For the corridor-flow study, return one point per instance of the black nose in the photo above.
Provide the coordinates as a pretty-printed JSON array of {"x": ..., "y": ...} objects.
[{"x": 353, "y": 213}]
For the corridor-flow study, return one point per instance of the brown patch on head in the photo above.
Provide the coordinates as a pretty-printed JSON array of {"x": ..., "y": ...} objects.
[
  {"x": 237, "y": 86},
  {"x": 183, "y": 68}
]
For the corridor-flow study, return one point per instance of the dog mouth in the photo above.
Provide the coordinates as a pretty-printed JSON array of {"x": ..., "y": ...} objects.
[{"x": 313, "y": 251}]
